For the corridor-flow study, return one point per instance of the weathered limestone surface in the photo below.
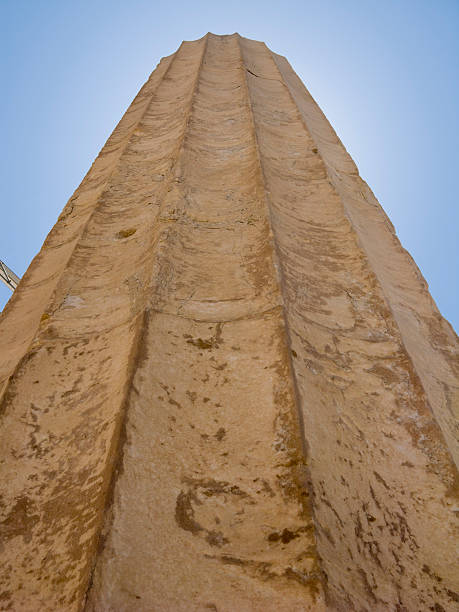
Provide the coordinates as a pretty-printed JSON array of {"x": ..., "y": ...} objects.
[{"x": 225, "y": 385}]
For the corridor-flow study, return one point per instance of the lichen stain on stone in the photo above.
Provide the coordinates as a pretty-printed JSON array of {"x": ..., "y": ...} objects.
[
  {"x": 200, "y": 343},
  {"x": 211, "y": 487},
  {"x": 265, "y": 571},
  {"x": 386, "y": 374},
  {"x": 184, "y": 513},
  {"x": 312, "y": 580},
  {"x": 213, "y": 342},
  {"x": 126, "y": 233},
  {"x": 20, "y": 521},
  {"x": 216, "y": 538},
  {"x": 284, "y": 536}
]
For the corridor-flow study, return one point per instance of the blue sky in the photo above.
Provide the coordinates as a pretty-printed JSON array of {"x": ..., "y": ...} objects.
[{"x": 384, "y": 73}]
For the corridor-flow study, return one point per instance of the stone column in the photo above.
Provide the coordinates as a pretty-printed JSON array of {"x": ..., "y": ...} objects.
[{"x": 225, "y": 385}]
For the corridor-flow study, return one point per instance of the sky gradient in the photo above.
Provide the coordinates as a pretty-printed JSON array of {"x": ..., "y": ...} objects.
[{"x": 385, "y": 75}]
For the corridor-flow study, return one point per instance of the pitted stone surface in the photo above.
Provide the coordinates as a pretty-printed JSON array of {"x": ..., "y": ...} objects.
[{"x": 225, "y": 385}]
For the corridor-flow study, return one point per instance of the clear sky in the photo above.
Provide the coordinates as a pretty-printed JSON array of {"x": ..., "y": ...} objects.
[{"x": 384, "y": 73}]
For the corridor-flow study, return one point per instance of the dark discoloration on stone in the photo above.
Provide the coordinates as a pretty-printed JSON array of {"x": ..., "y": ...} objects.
[
  {"x": 125, "y": 233},
  {"x": 213, "y": 342},
  {"x": 452, "y": 595},
  {"x": 380, "y": 479},
  {"x": 216, "y": 538},
  {"x": 285, "y": 536},
  {"x": 184, "y": 513},
  {"x": 265, "y": 571},
  {"x": 20, "y": 521},
  {"x": 214, "y": 487}
]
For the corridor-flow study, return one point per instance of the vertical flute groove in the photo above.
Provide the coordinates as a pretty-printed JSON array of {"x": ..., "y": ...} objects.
[
  {"x": 139, "y": 340},
  {"x": 448, "y": 426}
]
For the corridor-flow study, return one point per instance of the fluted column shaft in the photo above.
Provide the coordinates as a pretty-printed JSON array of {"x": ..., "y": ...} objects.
[{"x": 225, "y": 384}]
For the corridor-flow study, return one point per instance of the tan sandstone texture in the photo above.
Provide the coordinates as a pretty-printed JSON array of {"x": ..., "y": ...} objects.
[{"x": 224, "y": 383}]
